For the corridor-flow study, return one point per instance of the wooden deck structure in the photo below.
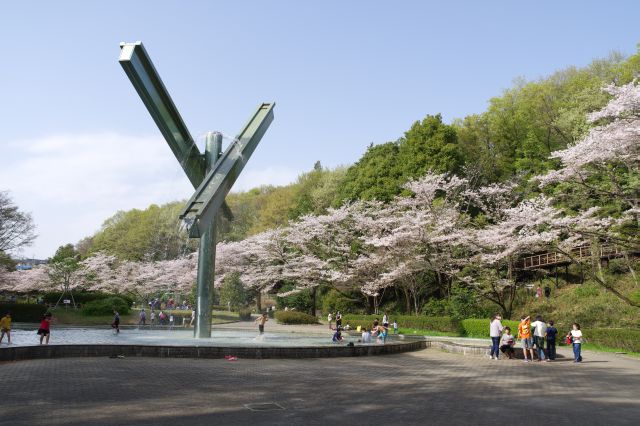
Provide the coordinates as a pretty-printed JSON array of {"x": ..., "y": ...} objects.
[{"x": 544, "y": 260}]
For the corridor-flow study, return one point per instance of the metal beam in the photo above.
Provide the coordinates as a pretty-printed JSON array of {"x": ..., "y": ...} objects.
[
  {"x": 207, "y": 253},
  {"x": 138, "y": 66},
  {"x": 209, "y": 196}
]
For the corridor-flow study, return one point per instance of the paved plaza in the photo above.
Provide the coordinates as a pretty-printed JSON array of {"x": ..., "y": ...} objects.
[{"x": 424, "y": 387}]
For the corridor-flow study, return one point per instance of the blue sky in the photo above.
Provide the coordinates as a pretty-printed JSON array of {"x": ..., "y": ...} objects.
[{"x": 77, "y": 144}]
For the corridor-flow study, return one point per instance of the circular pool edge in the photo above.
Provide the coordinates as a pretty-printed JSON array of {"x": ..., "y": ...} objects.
[{"x": 19, "y": 353}]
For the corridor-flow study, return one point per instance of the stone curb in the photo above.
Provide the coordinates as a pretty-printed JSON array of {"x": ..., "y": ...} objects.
[{"x": 19, "y": 353}]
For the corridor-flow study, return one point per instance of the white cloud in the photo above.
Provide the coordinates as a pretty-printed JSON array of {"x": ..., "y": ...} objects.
[
  {"x": 72, "y": 183},
  {"x": 251, "y": 178}
]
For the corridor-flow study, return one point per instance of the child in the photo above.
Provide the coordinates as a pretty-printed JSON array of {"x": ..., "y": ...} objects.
[
  {"x": 44, "y": 329},
  {"x": 260, "y": 321},
  {"x": 366, "y": 335},
  {"x": 5, "y": 327},
  {"x": 508, "y": 342},
  {"x": 116, "y": 322},
  {"x": 576, "y": 340},
  {"x": 395, "y": 327},
  {"x": 337, "y": 336},
  {"x": 524, "y": 334},
  {"x": 551, "y": 341},
  {"x": 382, "y": 334}
]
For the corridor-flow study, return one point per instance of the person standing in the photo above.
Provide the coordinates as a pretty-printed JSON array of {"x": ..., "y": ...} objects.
[
  {"x": 330, "y": 319},
  {"x": 547, "y": 291},
  {"x": 395, "y": 327},
  {"x": 576, "y": 340},
  {"x": 524, "y": 334},
  {"x": 495, "y": 330},
  {"x": 143, "y": 318},
  {"x": 551, "y": 341},
  {"x": 152, "y": 316},
  {"x": 45, "y": 328},
  {"x": 5, "y": 327},
  {"x": 338, "y": 320},
  {"x": 539, "y": 332},
  {"x": 385, "y": 320},
  {"x": 260, "y": 321},
  {"x": 171, "y": 320},
  {"x": 193, "y": 316},
  {"x": 116, "y": 322},
  {"x": 538, "y": 293}
]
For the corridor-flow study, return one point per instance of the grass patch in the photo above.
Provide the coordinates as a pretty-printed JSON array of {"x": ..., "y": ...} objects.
[{"x": 421, "y": 332}]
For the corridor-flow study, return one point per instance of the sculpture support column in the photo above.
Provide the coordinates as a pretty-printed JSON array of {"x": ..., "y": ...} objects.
[{"x": 207, "y": 252}]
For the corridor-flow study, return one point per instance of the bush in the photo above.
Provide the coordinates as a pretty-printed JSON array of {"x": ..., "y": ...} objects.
[
  {"x": 475, "y": 327},
  {"x": 436, "y": 307},
  {"x": 293, "y": 317},
  {"x": 244, "y": 314},
  {"x": 23, "y": 312},
  {"x": 617, "y": 338},
  {"x": 442, "y": 324},
  {"x": 106, "y": 306},
  {"x": 618, "y": 267}
]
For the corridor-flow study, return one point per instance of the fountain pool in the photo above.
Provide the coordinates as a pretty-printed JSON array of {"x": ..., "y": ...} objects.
[{"x": 70, "y": 341}]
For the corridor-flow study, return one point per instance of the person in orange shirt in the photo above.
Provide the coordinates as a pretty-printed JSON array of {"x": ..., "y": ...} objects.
[{"x": 524, "y": 334}]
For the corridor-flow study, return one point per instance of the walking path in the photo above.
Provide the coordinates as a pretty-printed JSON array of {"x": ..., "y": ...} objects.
[{"x": 425, "y": 387}]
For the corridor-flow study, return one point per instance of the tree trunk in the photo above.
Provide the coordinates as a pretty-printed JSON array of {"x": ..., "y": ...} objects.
[
  {"x": 407, "y": 299},
  {"x": 259, "y": 301},
  {"x": 313, "y": 301}
]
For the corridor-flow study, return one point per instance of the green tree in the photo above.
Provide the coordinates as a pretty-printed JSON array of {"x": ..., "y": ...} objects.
[{"x": 233, "y": 292}]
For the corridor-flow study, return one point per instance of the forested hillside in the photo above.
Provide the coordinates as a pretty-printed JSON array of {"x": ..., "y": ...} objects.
[{"x": 511, "y": 140}]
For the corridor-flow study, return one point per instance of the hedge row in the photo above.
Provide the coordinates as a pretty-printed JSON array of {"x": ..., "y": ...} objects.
[
  {"x": 627, "y": 339},
  {"x": 83, "y": 297},
  {"x": 23, "y": 312},
  {"x": 479, "y": 327},
  {"x": 443, "y": 324},
  {"x": 106, "y": 306},
  {"x": 293, "y": 317}
]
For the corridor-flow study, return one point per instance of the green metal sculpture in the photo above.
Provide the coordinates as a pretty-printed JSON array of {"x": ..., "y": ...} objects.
[{"x": 212, "y": 173}]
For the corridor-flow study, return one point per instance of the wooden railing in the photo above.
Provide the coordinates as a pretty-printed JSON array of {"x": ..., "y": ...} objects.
[{"x": 555, "y": 258}]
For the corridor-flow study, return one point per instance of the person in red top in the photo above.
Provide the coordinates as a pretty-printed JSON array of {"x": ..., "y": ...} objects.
[{"x": 44, "y": 329}]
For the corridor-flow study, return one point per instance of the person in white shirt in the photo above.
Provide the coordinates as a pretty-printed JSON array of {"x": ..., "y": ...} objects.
[
  {"x": 539, "y": 333},
  {"x": 495, "y": 330},
  {"x": 366, "y": 336},
  {"x": 508, "y": 342},
  {"x": 576, "y": 340},
  {"x": 329, "y": 318}
]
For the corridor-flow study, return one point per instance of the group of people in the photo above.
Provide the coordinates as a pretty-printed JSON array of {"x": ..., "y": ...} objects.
[
  {"x": 163, "y": 318},
  {"x": 534, "y": 335},
  {"x": 44, "y": 331},
  {"x": 376, "y": 331}
]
